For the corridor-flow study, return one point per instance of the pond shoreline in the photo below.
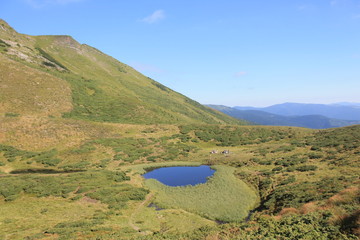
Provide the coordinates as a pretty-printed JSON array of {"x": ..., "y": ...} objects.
[{"x": 181, "y": 176}]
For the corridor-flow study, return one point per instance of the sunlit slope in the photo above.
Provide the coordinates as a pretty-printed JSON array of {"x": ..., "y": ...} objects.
[
  {"x": 102, "y": 88},
  {"x": 26, "y": 90}
]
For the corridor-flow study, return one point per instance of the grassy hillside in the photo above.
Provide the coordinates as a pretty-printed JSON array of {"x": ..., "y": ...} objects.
[
  {"x": 48, "y": 69},
  {"x": 28, "y": 91}
]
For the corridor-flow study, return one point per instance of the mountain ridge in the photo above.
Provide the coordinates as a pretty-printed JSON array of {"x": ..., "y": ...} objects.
[
  {"x": 266, "y": 118},
  {"x": 102, "y": 88},
  {"x": 337, "y": 111}
]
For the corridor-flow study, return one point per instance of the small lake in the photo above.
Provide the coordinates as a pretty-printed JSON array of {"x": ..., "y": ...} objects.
[{"x": 181, "y": 176}]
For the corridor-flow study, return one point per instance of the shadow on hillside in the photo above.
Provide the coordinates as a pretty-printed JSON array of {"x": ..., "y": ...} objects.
[{"x": 43, "y": 171}]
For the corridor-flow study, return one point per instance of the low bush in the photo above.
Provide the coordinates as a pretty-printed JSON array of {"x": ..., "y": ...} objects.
[
  {"x": 305, "y": 168},
  {"x": 297, "y": 194}
]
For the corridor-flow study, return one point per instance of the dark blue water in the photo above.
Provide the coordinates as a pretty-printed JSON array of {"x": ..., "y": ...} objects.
[{"x": 181, "y": 176}]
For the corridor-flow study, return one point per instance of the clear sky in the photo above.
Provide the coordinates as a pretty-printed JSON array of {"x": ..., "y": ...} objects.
[{"x": 230, "y": 52}]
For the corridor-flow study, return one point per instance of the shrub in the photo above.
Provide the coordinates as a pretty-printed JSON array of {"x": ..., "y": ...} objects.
[
  {"x": 290, "y": 179},
  {"x": 305, "y": 168},
  {"x": 9, "y": 114},
  {"x": 276, "y": 169},
  {"x": 315, "y": 155}
]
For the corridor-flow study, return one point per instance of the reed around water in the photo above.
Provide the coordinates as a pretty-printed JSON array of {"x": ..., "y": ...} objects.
[{"x": 222, "y": 198}]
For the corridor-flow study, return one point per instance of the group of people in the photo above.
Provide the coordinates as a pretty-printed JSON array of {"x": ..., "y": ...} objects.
[{"x": 216, "y": 151}]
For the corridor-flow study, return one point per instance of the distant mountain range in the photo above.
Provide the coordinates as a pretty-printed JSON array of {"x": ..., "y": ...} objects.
[
  {"x": 344, "y": 111},
  {"x": 296, "y": 114},
  {"x": 346, "y": 104}
]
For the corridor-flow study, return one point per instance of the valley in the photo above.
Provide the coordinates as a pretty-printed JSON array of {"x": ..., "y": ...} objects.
[
  {"x": 79, "y": 128},
  {"x": 294, "y": 173}
]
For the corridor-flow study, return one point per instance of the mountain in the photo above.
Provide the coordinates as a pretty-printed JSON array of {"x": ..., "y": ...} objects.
[
  {"x": 265, "y": 118},
  {"x": 344, "y": 111},
  {"x": 76, "y": 138},
  {"x": 346, "y": 104},
  {"x": 57, "y": 76}
]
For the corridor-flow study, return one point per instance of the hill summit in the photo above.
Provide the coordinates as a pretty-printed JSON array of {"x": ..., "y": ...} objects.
[{"x": 58, "y": 76}]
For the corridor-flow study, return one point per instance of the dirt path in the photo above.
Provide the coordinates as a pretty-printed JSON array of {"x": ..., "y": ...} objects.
[{"x": 131, "y": 218}]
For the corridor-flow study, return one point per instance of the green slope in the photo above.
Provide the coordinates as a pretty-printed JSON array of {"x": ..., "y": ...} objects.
[{"x": 102, "y": 88}]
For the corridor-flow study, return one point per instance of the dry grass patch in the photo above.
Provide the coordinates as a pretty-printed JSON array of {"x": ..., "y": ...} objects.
[
  {"x": 25, "y": 90},
  {"x": 27, "y": 216}
]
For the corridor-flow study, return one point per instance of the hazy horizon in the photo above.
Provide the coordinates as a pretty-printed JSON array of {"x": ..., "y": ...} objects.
[{"x": 262, "y": 106}]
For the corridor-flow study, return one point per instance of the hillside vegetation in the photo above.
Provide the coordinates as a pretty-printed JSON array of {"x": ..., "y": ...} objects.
[
  {"x": 78, "y": 128},
  {"x": 90, "y": 84},
  {"x": 302, "y": 178}
]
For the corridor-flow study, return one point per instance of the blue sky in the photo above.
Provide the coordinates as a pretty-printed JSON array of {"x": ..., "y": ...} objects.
[{"x": 230, "y": 52}]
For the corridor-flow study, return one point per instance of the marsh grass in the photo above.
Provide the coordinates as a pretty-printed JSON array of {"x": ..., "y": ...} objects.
[{"x": 222, "y": 198}]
